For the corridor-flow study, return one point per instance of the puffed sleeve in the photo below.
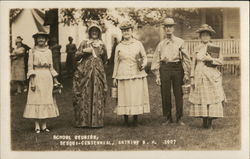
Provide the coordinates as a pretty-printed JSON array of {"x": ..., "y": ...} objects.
[
  {"x": 52, "y": 70},
  {"x": 116, "y": 62},
  {"x": 30, "y": 64},
  {"x": 155, "y": 66},
  {"x": 185, "y": 59},
  {"x": 144, "y": 55}
]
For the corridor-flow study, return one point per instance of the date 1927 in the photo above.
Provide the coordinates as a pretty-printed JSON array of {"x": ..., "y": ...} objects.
[{"x": 169, "y": 142}]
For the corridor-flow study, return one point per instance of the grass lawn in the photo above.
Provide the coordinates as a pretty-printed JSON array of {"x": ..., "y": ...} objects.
[{"x": 225, "y": 136}]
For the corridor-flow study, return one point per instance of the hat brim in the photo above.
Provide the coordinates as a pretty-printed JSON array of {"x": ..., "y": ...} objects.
[
  {"x": 40, "y": 34},
  {"x": 205, "y": 30},
  {"x": 172, "y": 24},
  {"x": 94, "y": 26},
  {"x": 126, "y": 27}
]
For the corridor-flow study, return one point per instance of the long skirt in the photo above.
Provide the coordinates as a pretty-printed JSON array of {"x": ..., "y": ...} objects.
[
  {"x": 40, "y": 103},
  {"x": 211, "y": 110},
  {"x": 133, "y": 98},
  {"x": 89, "y": 93},
  {"x": 70, "y": 62},
  {"x": 18, "y": 70}
]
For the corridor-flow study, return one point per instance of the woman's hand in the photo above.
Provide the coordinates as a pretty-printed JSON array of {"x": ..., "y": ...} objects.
[
  {"x": 88, "y": 50},
  {"x": 207, "y": 57},
  {"x": 115, "y": 82},
  {"x": 32, "y": 83},
  {"x": 56, "y": 81},
  {"x": 142, "y": 67}
]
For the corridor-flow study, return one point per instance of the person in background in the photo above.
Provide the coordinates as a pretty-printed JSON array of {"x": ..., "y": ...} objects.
[
  {"x": 26, "y": 57},
  {"x": 70, "y": 60},
  {"x": 17, "y": 66},
  {"x": 171, "y": 66},
  {"x": 42, "y": 77},
  {"x": 89, "y": 80},
  {"x": 56, "y": 55},
  {"x": 207, "y": 95},
  {"x": 112, "y": 57},
  {"x": 130, "y": 77}
]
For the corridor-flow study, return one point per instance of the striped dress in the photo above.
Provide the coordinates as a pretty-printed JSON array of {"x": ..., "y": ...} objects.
[{"x": 208, "y": 94}]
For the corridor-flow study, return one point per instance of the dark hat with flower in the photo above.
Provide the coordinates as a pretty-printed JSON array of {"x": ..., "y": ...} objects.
[
  {"x": 41, "y": 33},
  {"x": 205, "y": 27},
  {"x": 126, "y": 25}
]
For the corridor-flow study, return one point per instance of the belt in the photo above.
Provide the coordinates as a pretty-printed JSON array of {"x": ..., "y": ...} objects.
[
  {"x": 171, "y": 63},
  {"x": 37, "y": 66}
]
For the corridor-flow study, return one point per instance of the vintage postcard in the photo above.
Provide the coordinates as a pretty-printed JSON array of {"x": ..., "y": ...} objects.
[{"x": 124, "y": 79}]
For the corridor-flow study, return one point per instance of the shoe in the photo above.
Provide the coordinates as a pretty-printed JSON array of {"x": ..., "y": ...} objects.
[
  {"x": 126, "y": 120},
  {"x": 46, "y": 130},
  {"x": 181, "y": 123},
  {"x": 135, "y": 121},
  {"x": 37, "y": 131}
]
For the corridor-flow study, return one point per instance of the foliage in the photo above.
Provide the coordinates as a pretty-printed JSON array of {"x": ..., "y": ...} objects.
[
  {"x": 141, "y": 16},
  {"x": 14, "y": 13}
]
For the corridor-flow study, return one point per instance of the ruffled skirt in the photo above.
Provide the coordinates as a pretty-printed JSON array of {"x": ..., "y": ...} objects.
[
  {"x": 133, "y": 98},
  {"x": 40, "y": 103}
]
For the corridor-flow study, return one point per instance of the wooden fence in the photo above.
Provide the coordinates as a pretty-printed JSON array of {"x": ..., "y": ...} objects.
[{"x": 230, "y": 50}]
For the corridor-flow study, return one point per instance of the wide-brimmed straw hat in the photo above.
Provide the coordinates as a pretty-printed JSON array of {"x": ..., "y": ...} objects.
[
  {"x": 169, "y": 22},
  {"x": 126, "y": 25},
  {"x": 41, "y": 33},
  {"x": 205, "y": 27}
]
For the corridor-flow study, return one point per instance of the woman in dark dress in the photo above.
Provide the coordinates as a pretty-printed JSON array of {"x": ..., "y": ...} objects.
[{"x": 89, "y": 81}]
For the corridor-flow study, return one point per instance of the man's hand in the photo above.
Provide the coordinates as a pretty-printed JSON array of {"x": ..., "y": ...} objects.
[
  {"x": 115, "y": 82},
  {"x": 186, "y": 79},
  {"x": 158, "y": 81}
]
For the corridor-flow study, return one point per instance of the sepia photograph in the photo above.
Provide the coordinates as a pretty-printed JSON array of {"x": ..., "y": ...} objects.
[{"x": 125, "y": 77}]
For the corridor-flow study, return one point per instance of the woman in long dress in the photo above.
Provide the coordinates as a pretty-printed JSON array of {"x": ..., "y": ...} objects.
[
  {"x": 207, "y": 94},
  {"x": 89, "y": 80},
  {"x": 42, "y": 76},
  {"x": 17, "y": 66},
  {"x": 130, "y": 77}
]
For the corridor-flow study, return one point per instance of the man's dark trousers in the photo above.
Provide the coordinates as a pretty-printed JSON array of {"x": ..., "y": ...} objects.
[{"x": 171, "y": 74}]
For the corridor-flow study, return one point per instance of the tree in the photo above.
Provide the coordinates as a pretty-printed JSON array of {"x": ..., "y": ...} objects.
[{"x": 140, "y": 16}]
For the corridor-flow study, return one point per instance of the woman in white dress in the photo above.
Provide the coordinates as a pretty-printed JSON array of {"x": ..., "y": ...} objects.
[
  {"x": 130, "y": 77},
  {"x": 41, "y": 74}
]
